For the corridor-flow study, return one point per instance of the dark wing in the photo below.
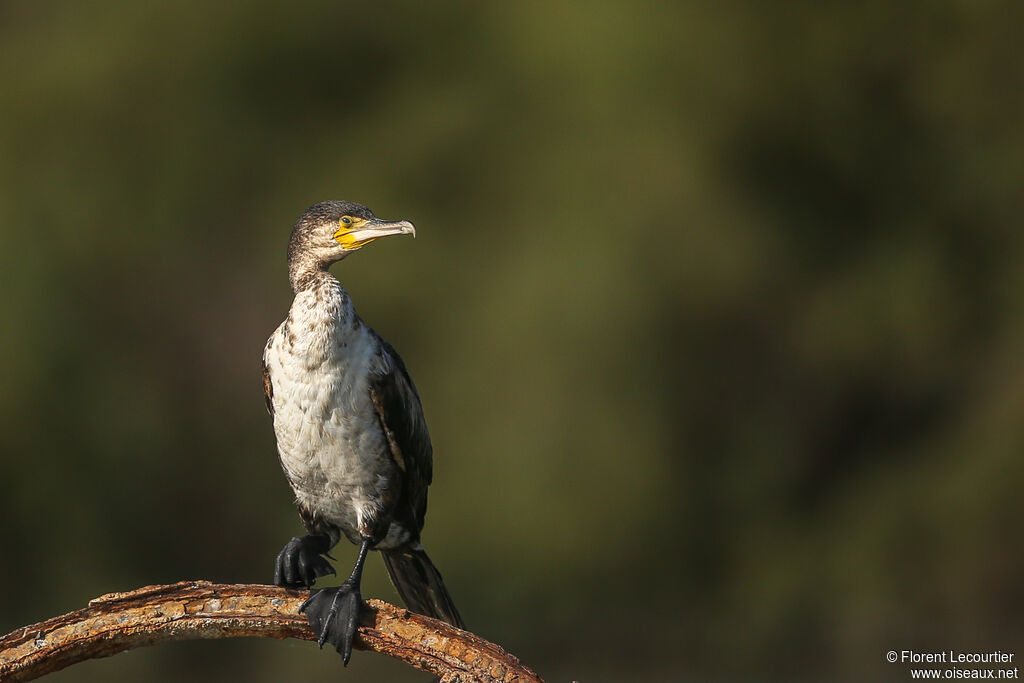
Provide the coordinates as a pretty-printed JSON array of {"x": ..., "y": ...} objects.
[
  {"x": 398, "y": 406},
  {"x": 268, "y": 389}
]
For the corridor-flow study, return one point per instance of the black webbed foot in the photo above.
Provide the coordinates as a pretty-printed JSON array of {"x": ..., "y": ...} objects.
[
  {"x": 300, "y": 563},
  {"x": 333, "y": 614}
]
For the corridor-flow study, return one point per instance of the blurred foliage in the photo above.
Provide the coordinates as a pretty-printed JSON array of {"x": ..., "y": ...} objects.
[{"x": 716, "y": 313}]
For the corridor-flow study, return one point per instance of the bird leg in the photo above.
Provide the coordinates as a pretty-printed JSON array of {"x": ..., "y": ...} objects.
[
  {"x": 333, "y": 613},
  {"x": 300, "y": 563}
]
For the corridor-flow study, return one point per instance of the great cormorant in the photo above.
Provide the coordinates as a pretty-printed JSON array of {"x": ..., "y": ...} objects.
[{"x": 350, "y": 432}]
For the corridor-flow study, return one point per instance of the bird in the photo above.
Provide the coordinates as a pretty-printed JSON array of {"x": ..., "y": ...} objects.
[{"x": 351, "y": 435}]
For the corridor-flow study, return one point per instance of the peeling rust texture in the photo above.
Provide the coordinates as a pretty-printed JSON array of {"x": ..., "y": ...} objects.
[{"x": 187, "y": 610}]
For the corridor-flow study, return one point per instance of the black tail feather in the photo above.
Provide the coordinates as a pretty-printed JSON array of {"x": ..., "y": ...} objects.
[{"x": 419, "y": 583}]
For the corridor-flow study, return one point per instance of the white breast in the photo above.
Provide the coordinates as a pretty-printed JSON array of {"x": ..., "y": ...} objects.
[{"x": 332, "y": 448}]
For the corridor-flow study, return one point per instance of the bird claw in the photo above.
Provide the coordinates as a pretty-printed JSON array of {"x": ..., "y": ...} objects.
[
  {"x": 333, "y": 614},
  {"x": 300, "y": 563}
]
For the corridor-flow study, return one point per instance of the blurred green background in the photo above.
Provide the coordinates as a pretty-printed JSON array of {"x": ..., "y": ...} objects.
[{"x": 716, "y": 312}]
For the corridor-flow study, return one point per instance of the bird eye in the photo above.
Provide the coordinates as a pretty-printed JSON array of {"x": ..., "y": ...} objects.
[{"x": 346, "y": 220}]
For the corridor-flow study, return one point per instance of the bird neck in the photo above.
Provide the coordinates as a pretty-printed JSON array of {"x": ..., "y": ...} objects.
[
  {"x": 304, "y": 270},
  {"x": 321, "y": 321}
]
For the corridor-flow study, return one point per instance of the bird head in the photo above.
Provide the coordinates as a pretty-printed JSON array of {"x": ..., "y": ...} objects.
[{"x": 327, "y": 232}]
